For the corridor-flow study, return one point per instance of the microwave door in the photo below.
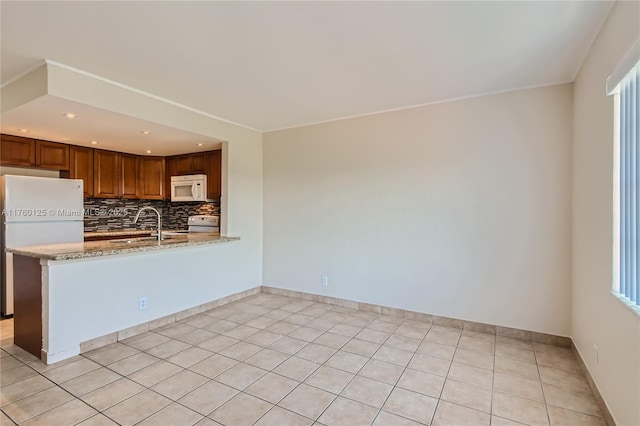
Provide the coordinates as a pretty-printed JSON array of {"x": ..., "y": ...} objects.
[{"x": 182, "y": 192}]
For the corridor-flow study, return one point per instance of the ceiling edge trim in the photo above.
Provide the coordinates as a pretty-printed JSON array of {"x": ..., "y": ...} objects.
[
  {"x": 22, "y": 74},
  {"x": 444, "y": 101},
  {"x": 30, "y": 86},
  {"x": 149, "y": 95},
  {"x": 585, "y": 55}
]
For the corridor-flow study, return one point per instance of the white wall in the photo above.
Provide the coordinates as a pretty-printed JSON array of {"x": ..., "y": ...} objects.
[
  {"x": 93, "y": 297},
  {"x": 23, "y": 171},
  {"x": 460, "y": 209},
  {"x": 598, "y": 318}
]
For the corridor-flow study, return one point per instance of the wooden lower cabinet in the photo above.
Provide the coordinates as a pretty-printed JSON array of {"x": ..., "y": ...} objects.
[
  {"x": 106, "y": 174},
  {"x": 151, "y": 180},
  {"x": 17, "y": 151},
  {"x": 27, "y": 302},
  {"x": 81, "y": 167}
]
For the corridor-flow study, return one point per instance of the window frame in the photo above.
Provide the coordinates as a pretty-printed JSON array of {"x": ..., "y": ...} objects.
[{"x": 630, "y": 66}]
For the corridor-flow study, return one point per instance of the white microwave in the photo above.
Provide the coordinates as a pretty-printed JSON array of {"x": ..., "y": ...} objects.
[{"x": 189, "y": 188}]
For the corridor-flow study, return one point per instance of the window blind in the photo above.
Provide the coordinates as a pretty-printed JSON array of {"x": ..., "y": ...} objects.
[{"x": 630, "y": 185}]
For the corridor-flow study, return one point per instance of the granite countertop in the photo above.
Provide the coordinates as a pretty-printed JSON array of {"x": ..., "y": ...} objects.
[{"x": 115, "y": 247}]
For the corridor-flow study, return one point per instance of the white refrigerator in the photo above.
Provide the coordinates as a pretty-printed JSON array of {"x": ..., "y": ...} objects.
[{"x": 37, "y": 210}]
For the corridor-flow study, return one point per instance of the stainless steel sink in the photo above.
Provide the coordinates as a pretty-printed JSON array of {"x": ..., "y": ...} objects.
[
  {"x": 175, "y": 233},
  {"x": 140, "y": 239},
  {"x": 133, "y": 240}
]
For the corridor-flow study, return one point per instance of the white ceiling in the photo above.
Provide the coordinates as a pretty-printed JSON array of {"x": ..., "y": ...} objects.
[{"x": 273, "y": 65}]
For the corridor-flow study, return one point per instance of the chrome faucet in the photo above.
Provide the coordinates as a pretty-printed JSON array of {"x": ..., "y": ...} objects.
[{"x": 159, "y": 220}]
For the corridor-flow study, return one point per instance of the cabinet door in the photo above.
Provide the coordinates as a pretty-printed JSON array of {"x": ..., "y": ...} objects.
[
  {"x": 152, "y": 178},
  {"x": 128, "y": 176},
  {"x": 199, "y": 163},
  {"x": 214, "y": 174},
  {"x": 184, "y": 164},
  {"x": 17, "y": 151},
  {"x": 171, "y": 169},
  {"x": 52, "y": 155},
  {"x": 106, "y": 174},
  {"x": 81, "y": 167}
]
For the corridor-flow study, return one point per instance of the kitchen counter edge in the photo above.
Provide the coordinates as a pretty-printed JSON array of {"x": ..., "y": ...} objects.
[{"x": 92, "y": 249}]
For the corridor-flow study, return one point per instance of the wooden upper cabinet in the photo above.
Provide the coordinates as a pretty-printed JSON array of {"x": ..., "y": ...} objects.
[
  {"x": 129, "y": 165},
  {"x": 106, "y": 174},
  {"x": 151, "y": 180},
  {"x": 199, "y": 163},
  {"x": 81, "y": 167},
  {"x": 184, "y": 164},
  {"x": 110, "y": 174},
  {"x": 187, "y": 164},
  {"x": 52, "y": 155},
  {"x": 171, "y": 169},
  {"x": 17, "y": 151},
  {"x": 214, "y": 174}
]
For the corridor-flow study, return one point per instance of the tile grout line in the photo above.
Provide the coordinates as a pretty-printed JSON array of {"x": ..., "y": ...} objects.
[
  {"x": 493, "y": 378},
  {"x": 544, "y": 396},
  {"x": 446, "y": 377}
]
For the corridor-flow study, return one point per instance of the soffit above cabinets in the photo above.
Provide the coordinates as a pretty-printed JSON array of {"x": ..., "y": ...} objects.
[
  {"x": 44, "y": 118},
  {"x": 51, "y": 103},
  {"x": 272, "y": 65}
]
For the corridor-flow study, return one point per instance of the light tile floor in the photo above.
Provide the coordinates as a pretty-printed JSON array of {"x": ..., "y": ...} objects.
[{"x": 273, "y": 360}]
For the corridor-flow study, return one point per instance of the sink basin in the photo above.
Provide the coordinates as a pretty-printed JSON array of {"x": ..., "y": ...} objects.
[
  {"x": 185, "y": 232},
  {"x": 133, "y": 240},
  {"x": 140, "y": 240}
]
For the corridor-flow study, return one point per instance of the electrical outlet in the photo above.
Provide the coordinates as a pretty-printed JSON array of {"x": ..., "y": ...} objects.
[
  {"x": 325, "y": 281},
  {"x": 595, "y": 350},
  {"x": 143, "y": 303}
]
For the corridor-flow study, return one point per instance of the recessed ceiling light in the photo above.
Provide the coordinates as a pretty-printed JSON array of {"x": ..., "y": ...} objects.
[
  {"x": 148, "y": 151},
  {"x": 70, "y": 115},
  {"x": 23, "y": 130},
  {"x": 145, "y": 132},
  {"x": 94, "y": 142},
  {"x": 200, "y": 144}
]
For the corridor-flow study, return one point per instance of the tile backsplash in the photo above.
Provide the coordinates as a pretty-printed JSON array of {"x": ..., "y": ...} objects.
[{"x": 115, "y": 214}]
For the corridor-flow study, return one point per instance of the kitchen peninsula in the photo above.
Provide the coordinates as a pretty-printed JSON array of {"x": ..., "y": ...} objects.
[{"x": 96, "y": 289}]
